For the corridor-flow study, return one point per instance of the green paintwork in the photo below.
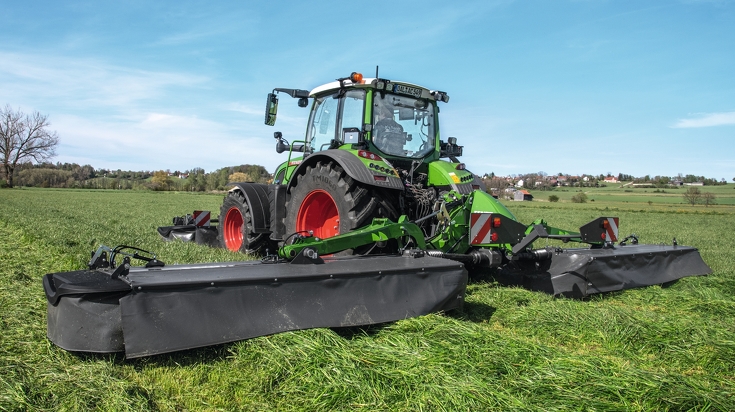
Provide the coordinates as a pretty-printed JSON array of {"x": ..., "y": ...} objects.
[
  {"x": 443, "y": 173},
  {"x": 380, "y": 230},
  {"x": 483, "y": 202},
  {"x": 551, "y": 230},
  {"x": 455, "y": 225}
]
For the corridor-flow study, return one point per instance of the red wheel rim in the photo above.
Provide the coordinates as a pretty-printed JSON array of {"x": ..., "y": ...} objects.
[
  {"x": 318, "y": 213},
  {"x": 232, "y": 227}
]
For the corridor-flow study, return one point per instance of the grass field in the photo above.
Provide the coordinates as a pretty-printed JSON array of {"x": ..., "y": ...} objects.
[
  {"x": 656, "y": 348},
  {"x": 668, "y": 197}
]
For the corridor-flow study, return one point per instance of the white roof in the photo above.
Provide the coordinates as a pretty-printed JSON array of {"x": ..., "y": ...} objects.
[{"x": 367, "y": 82}]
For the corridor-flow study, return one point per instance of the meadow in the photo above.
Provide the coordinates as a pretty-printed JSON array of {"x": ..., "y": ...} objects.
[
  {"x": 656, "y": 348},
  {"x": 620, "y": 193}
]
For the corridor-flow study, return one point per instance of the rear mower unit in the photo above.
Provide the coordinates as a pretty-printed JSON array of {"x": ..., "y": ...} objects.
[{"x": 364, "y": 223}]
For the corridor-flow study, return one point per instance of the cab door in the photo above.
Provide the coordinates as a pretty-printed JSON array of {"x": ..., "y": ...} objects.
[{"x": 332, "y": 113}]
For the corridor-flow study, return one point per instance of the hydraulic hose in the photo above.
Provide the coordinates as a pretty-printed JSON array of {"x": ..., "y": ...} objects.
[
  {"x": 536, "y": 255},
  {"x": 476, "y": 257}
]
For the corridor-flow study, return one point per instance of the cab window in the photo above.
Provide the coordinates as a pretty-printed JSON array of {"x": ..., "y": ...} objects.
[
  {"x": 403, "y": 126},
  {"x": 325, "y": 125}
]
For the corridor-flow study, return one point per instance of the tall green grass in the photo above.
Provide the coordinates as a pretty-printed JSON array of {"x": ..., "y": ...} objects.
[{"x": 657, "y": 348}]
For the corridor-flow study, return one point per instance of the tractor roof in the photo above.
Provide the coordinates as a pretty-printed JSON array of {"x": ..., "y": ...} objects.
[{"x": 381, "y": 84}]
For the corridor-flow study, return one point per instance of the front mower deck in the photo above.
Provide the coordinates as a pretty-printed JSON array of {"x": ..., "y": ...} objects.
[{"x": 159, "y": 310}]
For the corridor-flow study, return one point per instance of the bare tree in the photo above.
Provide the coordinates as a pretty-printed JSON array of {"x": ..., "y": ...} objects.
[
  {"x": 708, "y": 198},
  {"x": 24, "y": 138},
  {"x": 692, "y": 195}
]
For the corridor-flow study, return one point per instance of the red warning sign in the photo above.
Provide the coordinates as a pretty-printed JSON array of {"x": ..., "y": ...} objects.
[
  {"x": 201, "y": 218},
  {"x": 480, "y": 228},
  {"x": 611, "y": 229}
]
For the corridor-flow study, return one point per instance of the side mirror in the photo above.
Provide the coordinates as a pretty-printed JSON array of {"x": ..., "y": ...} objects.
[
  {"x": 281, "y": 145},
  {"x": 271, "y": 108}
]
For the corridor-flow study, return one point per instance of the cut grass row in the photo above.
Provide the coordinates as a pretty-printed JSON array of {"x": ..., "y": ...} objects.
[{"x": 656, "y": 348}]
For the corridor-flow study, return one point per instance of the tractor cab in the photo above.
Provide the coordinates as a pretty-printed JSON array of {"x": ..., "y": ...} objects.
[{"x": 393, "y": 119}]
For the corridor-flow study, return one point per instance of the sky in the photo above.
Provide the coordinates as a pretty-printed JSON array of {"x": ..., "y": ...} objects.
[{"x": 574, "y": 87}]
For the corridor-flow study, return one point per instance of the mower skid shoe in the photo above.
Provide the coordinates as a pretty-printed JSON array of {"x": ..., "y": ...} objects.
[
  {"x": 579, "y": 273},
  {"x": 178, "y": 307}
]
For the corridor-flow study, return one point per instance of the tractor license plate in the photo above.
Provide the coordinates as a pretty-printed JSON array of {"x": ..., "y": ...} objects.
[{"x": 411, "y": 91}]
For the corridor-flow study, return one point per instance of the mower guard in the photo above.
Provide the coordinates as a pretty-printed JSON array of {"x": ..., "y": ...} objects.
[
  {"x": 581, "y": 272},
  {"x": 202, "y": 235},
  {"x": 150, "y": 311}
]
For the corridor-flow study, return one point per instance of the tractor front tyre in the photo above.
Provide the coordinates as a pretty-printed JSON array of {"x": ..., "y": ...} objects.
[
  {"x": 326, "y": 202},
  {"x": 235, "y": 226}
]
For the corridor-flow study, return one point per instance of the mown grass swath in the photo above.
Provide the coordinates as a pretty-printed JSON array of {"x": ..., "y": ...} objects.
[{"x": 656, "y": 348}]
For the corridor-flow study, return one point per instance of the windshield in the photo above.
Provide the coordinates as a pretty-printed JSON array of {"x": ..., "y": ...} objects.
[
  {"x": 325, "y": 125},
  {"x": 403, "y": 125}
]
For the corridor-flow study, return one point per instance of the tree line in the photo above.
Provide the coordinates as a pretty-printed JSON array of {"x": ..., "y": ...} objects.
[{"x": 72, "y": 175}]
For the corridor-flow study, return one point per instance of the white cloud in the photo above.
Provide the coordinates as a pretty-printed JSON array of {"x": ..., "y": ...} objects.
[
  {"x": 246, "y": 109},
  {"x": 84, "y": 82},
  {"x": 160, "y": 141},
  {"x": 707, "y": 120}
]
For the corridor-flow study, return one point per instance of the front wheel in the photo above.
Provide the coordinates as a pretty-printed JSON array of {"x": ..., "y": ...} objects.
[
  {"x": 326, "y": 202},
  {"x": 235, "y": 226}
]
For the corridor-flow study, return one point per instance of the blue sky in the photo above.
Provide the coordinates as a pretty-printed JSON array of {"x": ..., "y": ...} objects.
[{"x": 584, "y": 86}]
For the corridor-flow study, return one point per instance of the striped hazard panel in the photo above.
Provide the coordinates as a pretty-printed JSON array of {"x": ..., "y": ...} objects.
[
  {"x": 481, "y": 229},
  {"x": 201, "y": 217},
  {"x": 610, "y": 225}
]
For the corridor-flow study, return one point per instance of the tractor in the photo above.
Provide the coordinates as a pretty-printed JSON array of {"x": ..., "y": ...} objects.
[
  {"x": 372, "y": 150},
  {"x": 372, "y": 218}
]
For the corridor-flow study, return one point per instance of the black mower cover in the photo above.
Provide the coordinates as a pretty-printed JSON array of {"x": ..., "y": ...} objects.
[
  {"x": 165, "y": 309},
  {"x": 579, "y": 273}
]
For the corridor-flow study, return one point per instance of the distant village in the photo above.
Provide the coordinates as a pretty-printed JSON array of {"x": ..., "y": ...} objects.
[{"x": 516, "y": 187}]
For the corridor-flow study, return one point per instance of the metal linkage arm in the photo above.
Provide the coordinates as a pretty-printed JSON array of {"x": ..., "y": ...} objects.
[{"x": 380, "y": 230}]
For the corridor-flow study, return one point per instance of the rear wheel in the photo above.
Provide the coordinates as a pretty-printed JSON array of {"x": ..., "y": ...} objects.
[
  {"x": 327, "y": 202},
  {"x": 235, "y": 226}
]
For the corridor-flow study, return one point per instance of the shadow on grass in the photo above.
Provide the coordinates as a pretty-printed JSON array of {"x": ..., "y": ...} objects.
[
  {"x": 474, "y": 312},
  {"x": 360, "y": 332},
  {"x": 179, "y": 358}
]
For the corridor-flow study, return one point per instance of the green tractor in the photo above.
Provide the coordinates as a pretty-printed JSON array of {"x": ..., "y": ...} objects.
[
  {"x": 373, "y": 176},
  {"x": 372, "y": 150}
]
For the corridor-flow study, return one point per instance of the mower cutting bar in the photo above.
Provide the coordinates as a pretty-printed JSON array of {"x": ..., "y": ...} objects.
[
  {"x": 582, "y": 272},
  {"x": 152, "y": 311}
]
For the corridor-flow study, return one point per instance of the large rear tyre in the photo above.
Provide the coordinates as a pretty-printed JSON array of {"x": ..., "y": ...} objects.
[
  {"x": 235, "y": 226},
  {"x": 326, "y": 202}
]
